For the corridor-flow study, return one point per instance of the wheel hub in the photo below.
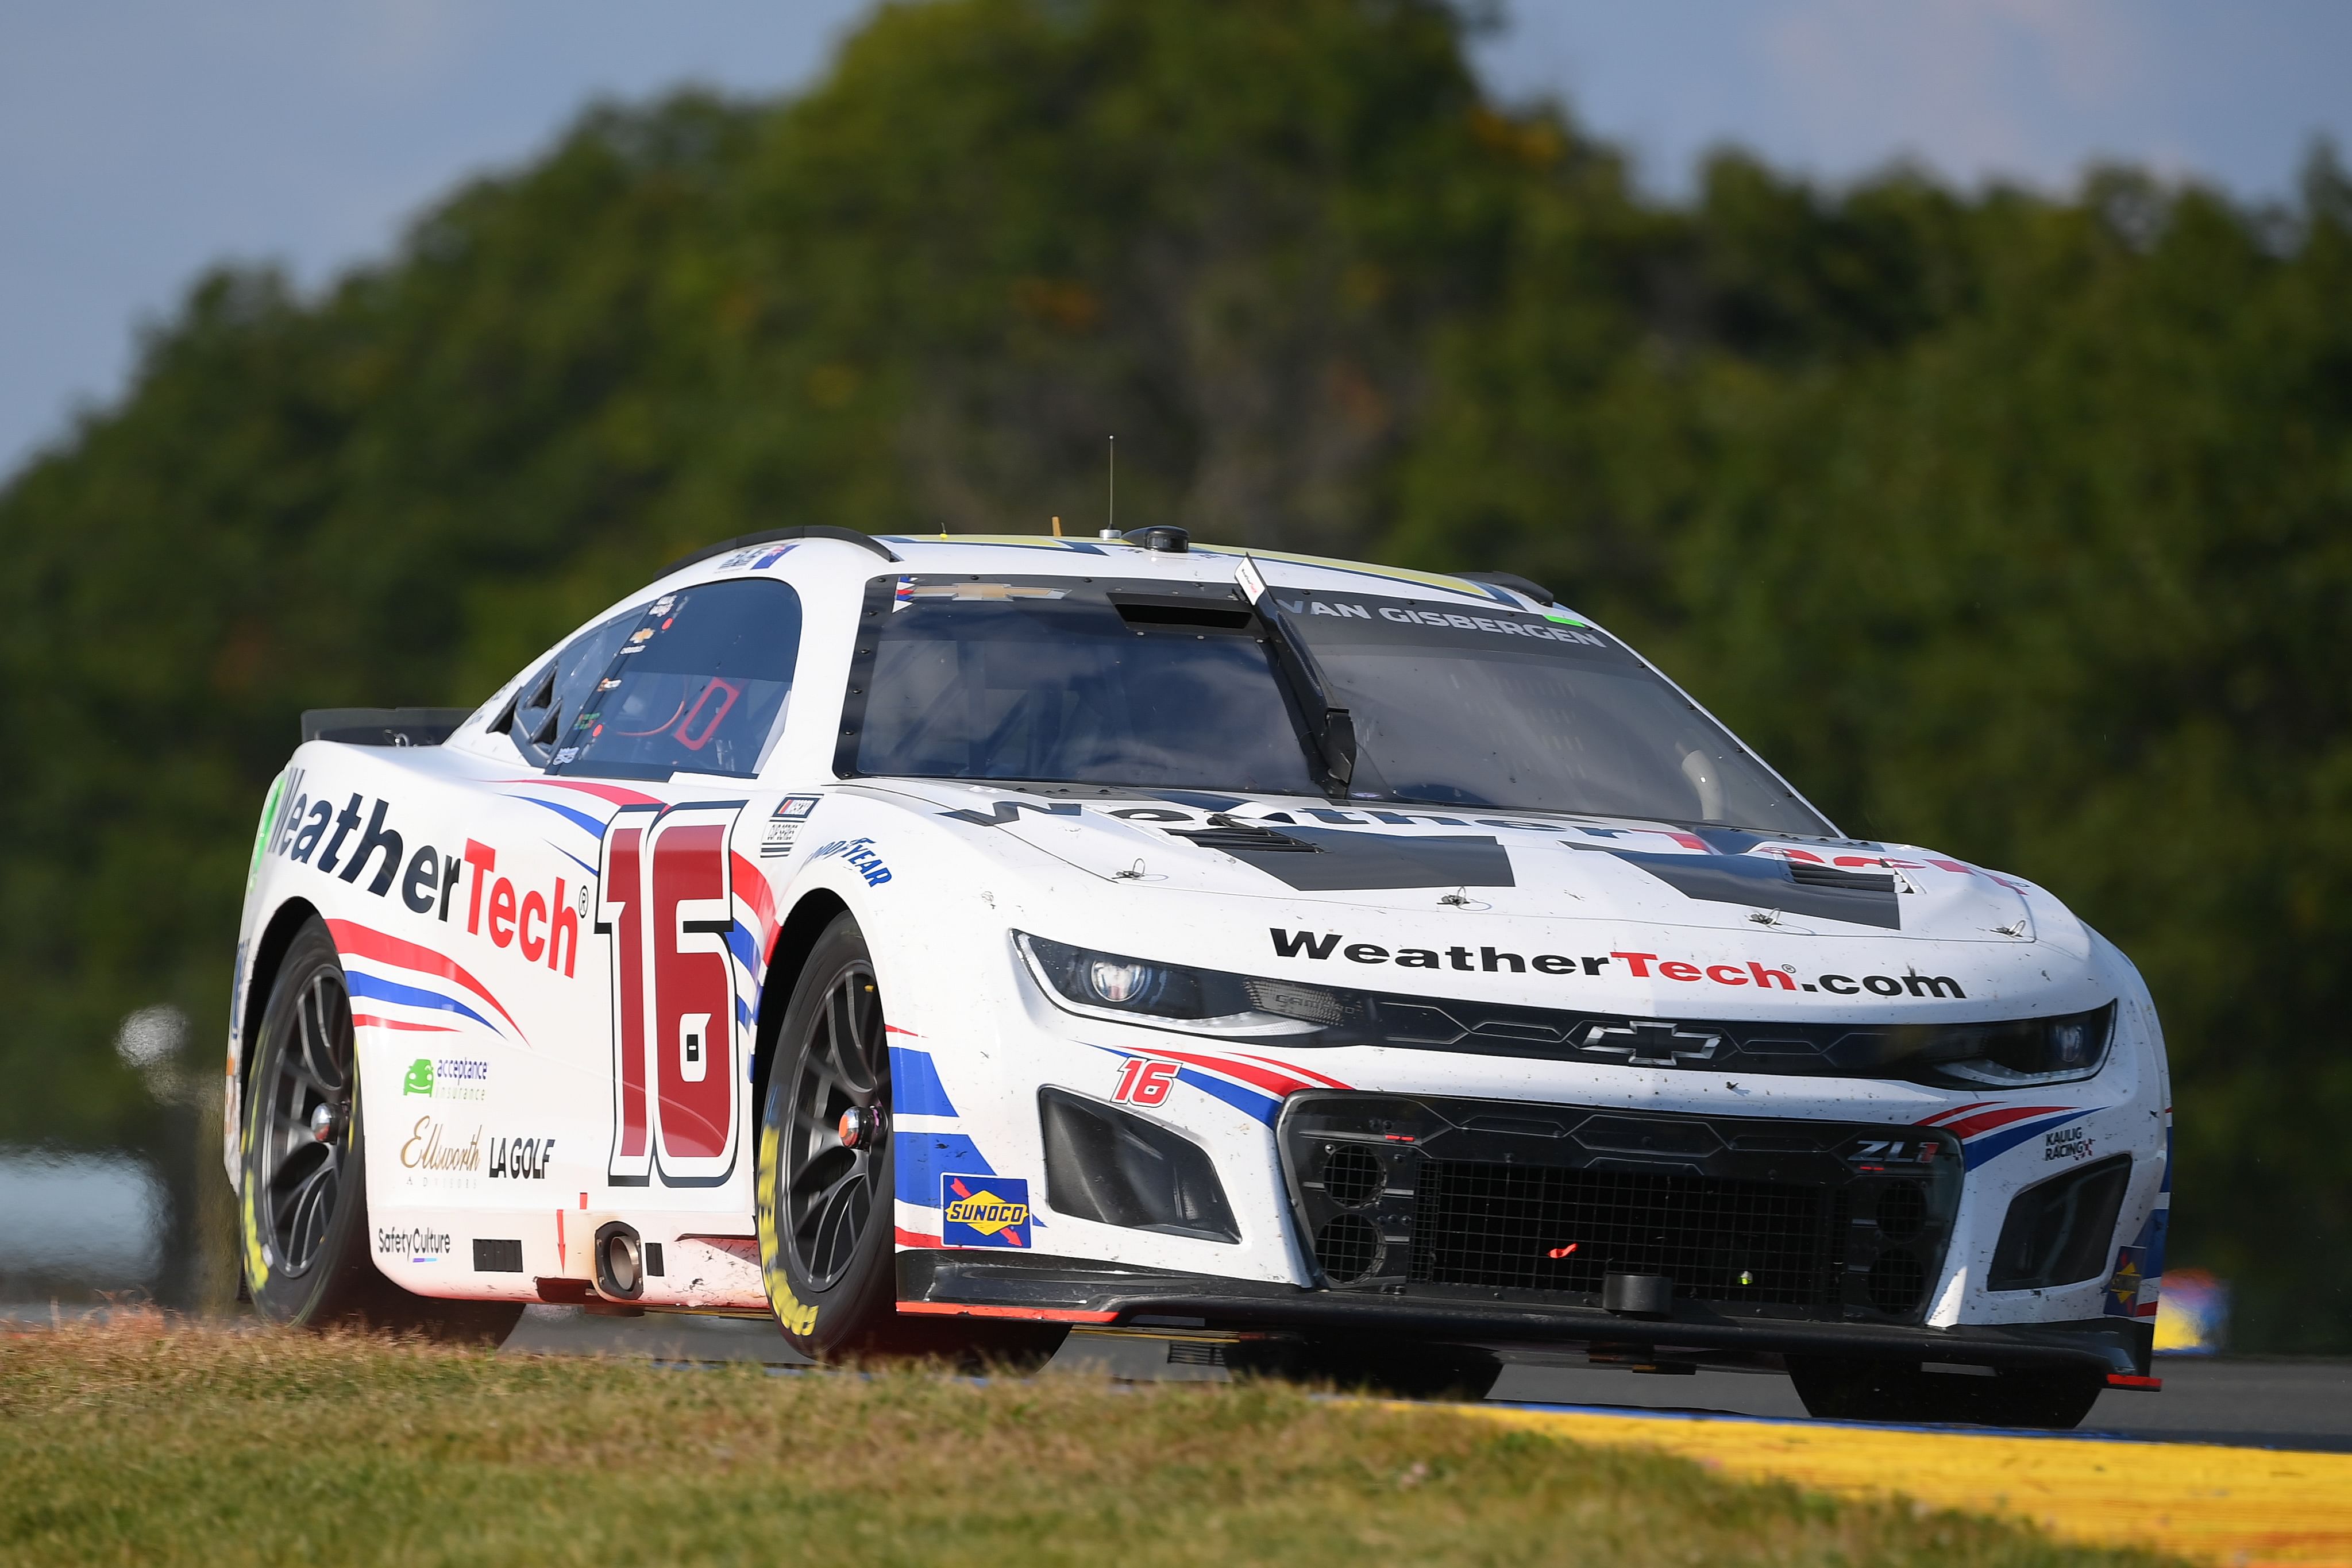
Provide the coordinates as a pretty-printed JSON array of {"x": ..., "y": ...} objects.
[{"x": 860, "y": 1125}]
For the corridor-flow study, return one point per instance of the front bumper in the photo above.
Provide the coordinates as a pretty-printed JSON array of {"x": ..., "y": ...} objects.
[{"x": 1038, "y": 1287}]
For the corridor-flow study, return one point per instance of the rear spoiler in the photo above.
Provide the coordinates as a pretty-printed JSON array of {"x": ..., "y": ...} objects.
[{"x": 382, "y": 725}]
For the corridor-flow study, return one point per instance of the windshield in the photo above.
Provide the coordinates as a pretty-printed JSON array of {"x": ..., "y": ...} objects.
[
  {"x": 1059, "y": 680},
  {"x": 1053, "y": 680}
]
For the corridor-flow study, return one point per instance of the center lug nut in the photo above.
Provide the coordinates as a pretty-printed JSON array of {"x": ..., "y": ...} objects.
[{"x": 860, "y": 1125}]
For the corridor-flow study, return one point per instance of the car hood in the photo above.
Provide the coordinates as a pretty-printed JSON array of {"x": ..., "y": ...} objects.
[{"x": 1550, "y": 867}]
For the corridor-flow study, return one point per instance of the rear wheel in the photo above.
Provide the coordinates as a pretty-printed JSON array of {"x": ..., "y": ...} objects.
[
  {"x": 826, "y": 1193},
  {"x": 303, "y": 1210},
  {"x": 2054, "y": 1398}
]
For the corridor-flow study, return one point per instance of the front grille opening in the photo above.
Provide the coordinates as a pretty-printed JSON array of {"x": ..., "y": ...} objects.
[
  {"x": 1533, "y": 1228},
  {"x": 1352, "y": 1176},
  {"x": 1105, "y": 1165},
  {"x": 2058, "y": 1232},
  {"x": 1901, "y": 1210},
  {"x": 1896, "y": 1282},
  {"x": 1348, "y": 1247}
]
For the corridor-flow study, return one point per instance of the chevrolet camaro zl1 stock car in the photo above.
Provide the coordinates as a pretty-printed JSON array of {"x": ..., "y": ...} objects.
[{"x": 938, "y": 942}]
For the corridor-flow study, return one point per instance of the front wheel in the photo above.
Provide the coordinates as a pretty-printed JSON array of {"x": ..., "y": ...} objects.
[
  {"x": 2041, "y": 1398},
  {"x": 827, "y": 1198},
  {"x": 302, "y": 1213}
]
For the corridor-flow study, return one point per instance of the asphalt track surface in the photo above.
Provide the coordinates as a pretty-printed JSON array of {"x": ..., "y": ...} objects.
[{"x": 2291, "y": 1405}]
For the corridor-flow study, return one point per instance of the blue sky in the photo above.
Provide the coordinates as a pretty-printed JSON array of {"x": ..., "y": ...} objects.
[{"x": 141, "y": 139}]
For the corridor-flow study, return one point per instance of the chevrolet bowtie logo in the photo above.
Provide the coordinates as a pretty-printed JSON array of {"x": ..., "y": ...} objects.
[{"x": 1649, "y": 1040}]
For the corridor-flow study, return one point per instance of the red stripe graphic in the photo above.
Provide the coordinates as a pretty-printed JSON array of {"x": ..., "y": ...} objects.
[
  {"x": 1955, "y": 1110},
  {"x": 1305, "y": 1072},
  {"x": 362, "y": 942},
  {"x": 366, "y": 1021},
  {"x": 1031, "y": 1314},
  {"x": 1276, "y": 1083},
  {"x": 751, "y": 887},
  {"x": 1985, "y": 1122},
  {"x": 612, "y": 792},
  {"x": 916, "y": 1239}
]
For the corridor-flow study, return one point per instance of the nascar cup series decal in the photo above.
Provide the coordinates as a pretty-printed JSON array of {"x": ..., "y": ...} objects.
[
  {"x": 983, "y": 1211},
  {"x": 784, "y": 826}
]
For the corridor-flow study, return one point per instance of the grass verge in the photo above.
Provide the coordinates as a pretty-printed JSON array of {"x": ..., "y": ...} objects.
[{"x": 136, "y": 1440}]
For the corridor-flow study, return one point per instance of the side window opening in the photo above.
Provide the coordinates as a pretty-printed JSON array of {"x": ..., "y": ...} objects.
[
  {"x": 696, "y": 682},
  {"x": 551, "y": 698}
]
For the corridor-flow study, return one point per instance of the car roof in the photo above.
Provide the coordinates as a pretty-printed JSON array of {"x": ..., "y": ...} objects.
[{"x": 1044, "y": 555}]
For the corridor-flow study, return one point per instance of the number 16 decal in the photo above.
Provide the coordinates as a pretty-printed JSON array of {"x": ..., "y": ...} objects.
[{"x": 665, "y": 896}]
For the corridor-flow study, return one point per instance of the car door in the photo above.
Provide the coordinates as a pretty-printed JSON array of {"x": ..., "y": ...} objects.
[{"x": 671, "y": 735}]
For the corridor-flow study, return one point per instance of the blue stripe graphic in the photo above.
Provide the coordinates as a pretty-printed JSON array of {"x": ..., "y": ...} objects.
[
  {"x": 915, "y": 1086},
  {"x": 575, "y": 860},
  {"x": 1248, "y": 1101},
  {"x": 923, "y": 1157},
  {"x": 1979, "y": 1150},
  {"x": 363, "y": 983},
  {"x": 593, "y": 826}
]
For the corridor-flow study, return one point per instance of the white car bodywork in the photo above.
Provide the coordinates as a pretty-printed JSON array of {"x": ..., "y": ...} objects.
[{"x": 488, "y": 914}]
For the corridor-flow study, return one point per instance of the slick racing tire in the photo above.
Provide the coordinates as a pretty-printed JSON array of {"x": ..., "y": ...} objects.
[
  {"x": 827, "y": 1196},
  {"x": 2052, "y": 1398},
  {"x": 302, "y": 1210}
]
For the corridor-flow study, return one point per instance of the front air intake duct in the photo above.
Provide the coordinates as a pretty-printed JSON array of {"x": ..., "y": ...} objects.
[
  {"x": 1104, "y": 1165},
  {"x": 2058, "y": 1231}
]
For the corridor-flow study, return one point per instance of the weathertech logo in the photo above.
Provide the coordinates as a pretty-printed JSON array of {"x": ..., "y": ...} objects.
[
  {"x": 1636, "y": 966},
  {"x": 983, "y": 1211}
]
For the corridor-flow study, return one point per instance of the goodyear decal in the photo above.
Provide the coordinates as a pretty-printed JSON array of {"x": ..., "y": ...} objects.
[{"x": 983, "y": 1211}]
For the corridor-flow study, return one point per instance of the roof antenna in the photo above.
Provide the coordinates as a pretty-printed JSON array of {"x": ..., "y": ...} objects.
[
  {"x": 1057, "y": 528},
  {"x": 1112, "y": 531}
]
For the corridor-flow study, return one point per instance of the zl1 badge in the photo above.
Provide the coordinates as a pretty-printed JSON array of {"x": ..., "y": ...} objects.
[{"x": 983, "y": 1211}]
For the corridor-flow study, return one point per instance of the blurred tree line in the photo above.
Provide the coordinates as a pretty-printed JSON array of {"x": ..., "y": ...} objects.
[{"x": 2004, "y": 523}]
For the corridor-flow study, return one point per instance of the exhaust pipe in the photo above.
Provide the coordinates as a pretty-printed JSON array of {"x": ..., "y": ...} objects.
[{"x": 620, "y": 1262}]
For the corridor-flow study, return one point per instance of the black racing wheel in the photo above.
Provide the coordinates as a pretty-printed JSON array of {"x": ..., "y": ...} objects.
[
  {"x": 827, "y": 1196},
  {"x": 1844, "y": 1390},
  {"x": 303, "y": 1211}
]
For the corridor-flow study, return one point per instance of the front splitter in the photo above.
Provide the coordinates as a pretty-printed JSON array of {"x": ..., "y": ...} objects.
[{"x": 985, "y": 1283}]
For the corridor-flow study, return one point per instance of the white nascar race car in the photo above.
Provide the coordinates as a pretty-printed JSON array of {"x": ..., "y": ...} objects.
[{"x": 1346, "y": 971}]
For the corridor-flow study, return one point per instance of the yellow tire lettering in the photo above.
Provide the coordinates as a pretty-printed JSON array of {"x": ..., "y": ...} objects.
[{"x": 796, "y": 1317}]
